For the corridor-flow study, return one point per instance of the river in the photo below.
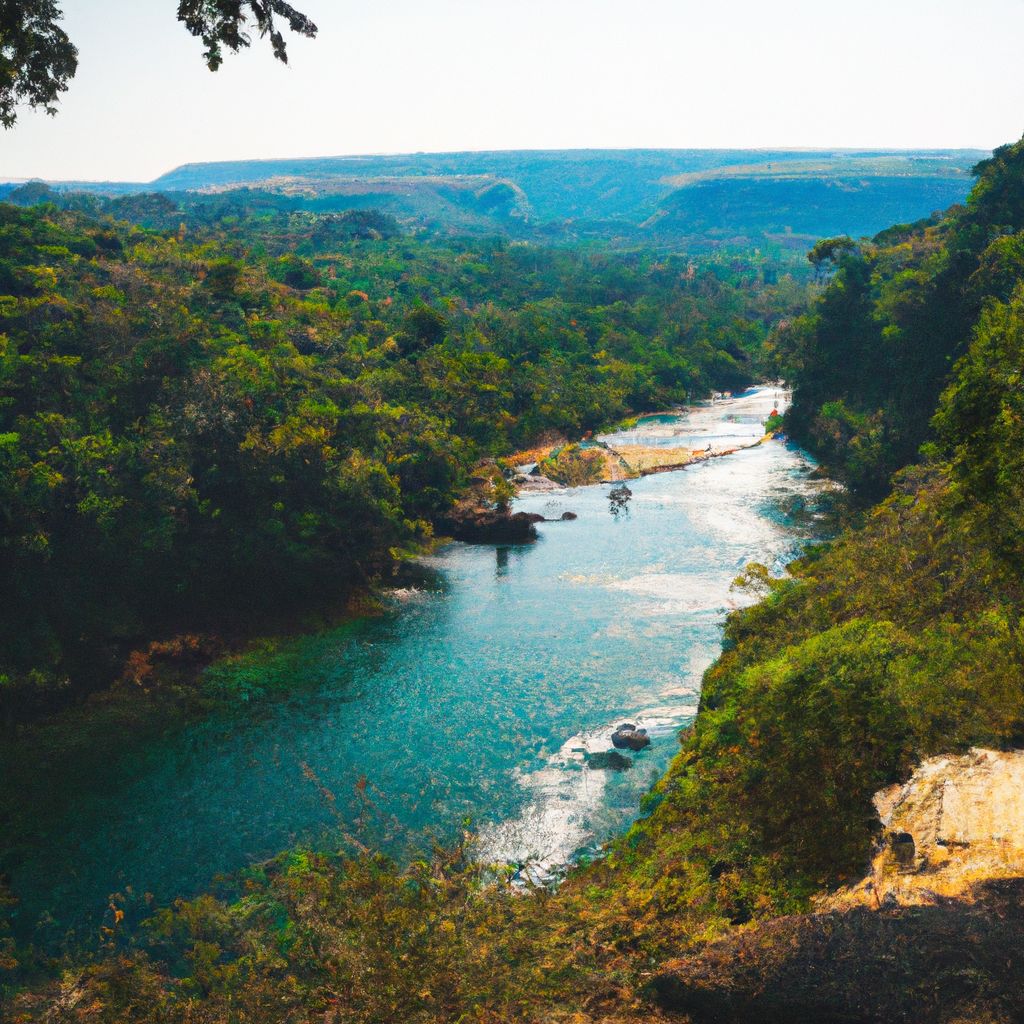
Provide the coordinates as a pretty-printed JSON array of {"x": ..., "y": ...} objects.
[{"x": 474, "y": 700}]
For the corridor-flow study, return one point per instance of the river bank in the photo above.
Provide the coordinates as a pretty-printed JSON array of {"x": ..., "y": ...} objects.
[
  {"x": 489, "y": 692},
  {"x": 535, "y": 654},
  {"x": 660, "y": 442}
]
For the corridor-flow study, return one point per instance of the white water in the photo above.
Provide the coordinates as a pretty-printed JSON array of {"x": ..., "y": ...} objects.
[{"x": 702, "y": 525}]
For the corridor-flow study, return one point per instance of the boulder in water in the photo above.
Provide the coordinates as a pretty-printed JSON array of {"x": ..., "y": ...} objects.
[
  {"x": 629, "y": 737},
  {"x": 490, "y": 526},
  {"x": 569, "y": 516}
]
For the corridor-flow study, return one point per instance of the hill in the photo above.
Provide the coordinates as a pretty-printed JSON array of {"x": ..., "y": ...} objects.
[
  {"x": 697, "y": 197},
  {"x": 805, "y": 206}
]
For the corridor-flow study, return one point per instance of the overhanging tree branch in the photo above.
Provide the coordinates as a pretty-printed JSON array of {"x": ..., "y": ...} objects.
[
  {"x": 38, "y": 61},
  {"x": 222, "y": 23}
]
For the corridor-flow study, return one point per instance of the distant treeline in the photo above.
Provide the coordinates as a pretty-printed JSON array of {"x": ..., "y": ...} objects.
[{"x": 700, "y": 199}]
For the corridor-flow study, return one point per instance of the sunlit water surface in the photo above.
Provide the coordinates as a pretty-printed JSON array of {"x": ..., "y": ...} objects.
[{"x": 475, "y": 700}]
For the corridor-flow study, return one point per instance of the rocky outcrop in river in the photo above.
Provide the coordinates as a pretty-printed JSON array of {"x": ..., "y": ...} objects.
[
  {"x": 479, "y": 525},
  {"x": 629, "y": 737}
]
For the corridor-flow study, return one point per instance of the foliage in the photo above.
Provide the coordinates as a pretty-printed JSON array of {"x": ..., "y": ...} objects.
[
  {"x": 223, "y": 25},
  {"x": 37, "y": 60},
  {"x": 981, "y": 422},
  {"x": 869, "y": 362},
  {"x": 349, "y": 939},
  {"x": 200, "y": 427}
]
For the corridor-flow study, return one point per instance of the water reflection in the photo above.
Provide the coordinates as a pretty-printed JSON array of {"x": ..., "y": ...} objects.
[{"x": 618, "y": 501}]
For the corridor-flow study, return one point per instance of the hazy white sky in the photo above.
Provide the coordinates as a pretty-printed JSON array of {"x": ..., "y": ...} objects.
[{"x": 390, "y": 76}]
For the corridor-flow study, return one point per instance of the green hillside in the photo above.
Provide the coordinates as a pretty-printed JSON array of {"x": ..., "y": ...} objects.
[{"x": 699, "y": 198}]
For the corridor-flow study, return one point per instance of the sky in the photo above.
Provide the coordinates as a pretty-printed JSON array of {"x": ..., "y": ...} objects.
[{"x": 397, "y": 76}]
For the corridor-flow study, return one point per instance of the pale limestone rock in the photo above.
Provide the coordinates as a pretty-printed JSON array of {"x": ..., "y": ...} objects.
[{"x": 965, "y": 815}]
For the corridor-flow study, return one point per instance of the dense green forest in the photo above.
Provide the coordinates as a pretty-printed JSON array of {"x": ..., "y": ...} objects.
[
  {"x": 872, "y": 356},
  {"x": 280, "y": 405},
  {"x": 902, "y": 638}
]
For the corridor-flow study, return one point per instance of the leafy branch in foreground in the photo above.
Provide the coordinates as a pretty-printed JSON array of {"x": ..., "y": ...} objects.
[
  {"x": 221, "y": 23},
  {"x": 38, "y": 60}
]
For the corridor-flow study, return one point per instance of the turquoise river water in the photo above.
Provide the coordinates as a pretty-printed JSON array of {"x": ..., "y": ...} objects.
[{"x": 476, "y": 698}]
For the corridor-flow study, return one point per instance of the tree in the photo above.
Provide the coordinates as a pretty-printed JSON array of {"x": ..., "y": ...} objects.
[
  {"x": 38, "y": 60},
  {"x": 221, "y": 23},
  {"x": 424, "y": 328},
  {"x": 826, "y": 254}
]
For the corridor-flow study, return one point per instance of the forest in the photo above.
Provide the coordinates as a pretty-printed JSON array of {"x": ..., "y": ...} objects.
[
  {"x": 283, "y": 404},
  {"x": 213, "y": 419},
  {"x": 873, "y": 356}
]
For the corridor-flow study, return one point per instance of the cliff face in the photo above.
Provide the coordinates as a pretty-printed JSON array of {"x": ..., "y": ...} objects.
[
  {"x": 934, "y": 932},
  {"x": 957, "y": 821}
]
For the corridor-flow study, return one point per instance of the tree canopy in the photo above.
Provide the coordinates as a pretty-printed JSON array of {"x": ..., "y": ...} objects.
[
  {"x": 870, "y": 359},
  {"x": 222, "y": 23},
  {"x": 38, "y": 60}
]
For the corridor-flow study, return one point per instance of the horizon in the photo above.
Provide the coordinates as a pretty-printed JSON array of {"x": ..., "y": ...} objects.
[
  {"x": 468, "y": 78},
  {"x": 831, "y": 150}
]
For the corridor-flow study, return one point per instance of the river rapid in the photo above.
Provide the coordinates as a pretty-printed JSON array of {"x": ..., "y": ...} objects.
[{"x": 473, "y": 702}]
